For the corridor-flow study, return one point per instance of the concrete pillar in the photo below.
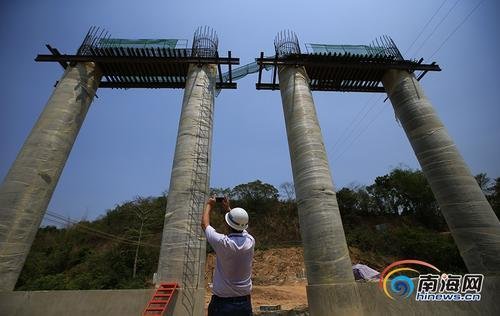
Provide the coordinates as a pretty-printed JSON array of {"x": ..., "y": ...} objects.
[
  {"x": 471, "y": 220},
  {"x": 182, "y": 254},
  {"x": 331, "y": 289},
  {"x": 30, "y": 182}
]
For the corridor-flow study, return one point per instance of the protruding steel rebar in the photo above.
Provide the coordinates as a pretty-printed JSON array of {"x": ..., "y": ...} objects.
[
  {"x": 286, "y": 43},
  {"x": 385, "y": 46},
  {"x": 92, "y": 40},
  {"x": 205, "y": 42}
]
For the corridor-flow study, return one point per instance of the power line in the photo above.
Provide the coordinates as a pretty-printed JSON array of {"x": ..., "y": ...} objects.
[
  {"x": 63, "y": 220},
  {"x": 425, "y": 26},
  {"x": 437, "y": 26},
  {"x": 341, "y": 138},
  {"x": 91, "y": 231},
  {"x": 355, "y": 128},
  {"x": 99, "y": 234},
  {"x": 360, "y": 131},
  {"x": 458, "y": 26},
  {"x": 82, "y": 228},
  {"x": 53, "y": 221}
]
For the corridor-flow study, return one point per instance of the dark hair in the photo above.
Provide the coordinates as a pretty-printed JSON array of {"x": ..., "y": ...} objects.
[{"x": 234, "y": 231}]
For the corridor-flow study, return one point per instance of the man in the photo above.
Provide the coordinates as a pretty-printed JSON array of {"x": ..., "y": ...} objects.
[{"x": 232, "y": 282}]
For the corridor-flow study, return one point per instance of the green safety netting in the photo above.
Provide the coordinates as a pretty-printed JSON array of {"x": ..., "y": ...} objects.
[
  {"x": 344, "y": 49},
  {"x": 143, "y": 43}
]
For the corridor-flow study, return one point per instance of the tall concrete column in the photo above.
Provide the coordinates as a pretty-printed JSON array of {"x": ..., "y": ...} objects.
[
  {"x": 331, "y": 289},
  {"x": 26, "y": 190},
  {"x": 183, "y": 244},
  {"x": 470, "y": 218}
]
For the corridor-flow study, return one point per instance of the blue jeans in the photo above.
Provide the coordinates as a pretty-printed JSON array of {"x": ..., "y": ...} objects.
[{"x": 230, "y": 306}]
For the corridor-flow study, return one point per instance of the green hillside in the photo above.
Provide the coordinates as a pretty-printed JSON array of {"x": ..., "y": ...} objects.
[{"x": 395, "y": 217}]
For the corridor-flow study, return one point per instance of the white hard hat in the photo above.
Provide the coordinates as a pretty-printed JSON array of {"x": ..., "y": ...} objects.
[{"x": 237, "y": 218}]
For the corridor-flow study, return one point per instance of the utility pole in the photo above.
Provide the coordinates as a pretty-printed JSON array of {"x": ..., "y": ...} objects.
[
  {"x": 143, "y": 216},
  {"x": 137, "y": 250}
]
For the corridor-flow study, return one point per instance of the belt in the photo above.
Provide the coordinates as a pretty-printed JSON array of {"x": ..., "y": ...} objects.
[{"x": 231, "y": 299}]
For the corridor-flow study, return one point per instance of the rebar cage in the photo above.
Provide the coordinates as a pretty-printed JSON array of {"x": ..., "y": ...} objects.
[
  {"x": 147, "y": 63},
  {"x": 286, "y": 43},
  {"x": 205, "y": 42},
  {"x": 98, "y": 38},
  {"x": 339, "y": 67}
]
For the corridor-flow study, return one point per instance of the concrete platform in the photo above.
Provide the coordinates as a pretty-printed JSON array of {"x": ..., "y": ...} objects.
[
  {"x": 94, "y": 302},
  {"x": 376, "y": 303},
  {"x": 132, "y": 302},
  {"x": 83, "y": 303}
]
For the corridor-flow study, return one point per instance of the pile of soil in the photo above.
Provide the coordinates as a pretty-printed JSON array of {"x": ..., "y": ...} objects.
[
  {"x": 278, "y": 278},
  {"x": 270, "y": 267},
  {"x": 278, "y": 275}
]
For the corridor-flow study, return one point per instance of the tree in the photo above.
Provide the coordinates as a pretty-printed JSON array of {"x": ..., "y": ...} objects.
[
  {"x": 348, "y": 205},
  {"x": 254, "y": 191},
  {"x": 484, "y": 183},
  {"x": 143, "y": 214},
  {"x": 406, "y": 192},
  {"x": 256, "y": 197},
  {"x": 222, "y": 192},
  {"x": 494, "y": 197},
  {"x": 288, "y": 191}
]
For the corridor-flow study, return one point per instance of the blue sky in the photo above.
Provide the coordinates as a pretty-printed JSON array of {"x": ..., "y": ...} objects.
[{"x": 125, "y": 147}]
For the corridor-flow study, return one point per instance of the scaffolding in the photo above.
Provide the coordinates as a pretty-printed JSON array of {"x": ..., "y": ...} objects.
[
  {"x": 205, "y": 40},
  {"x": 339, "y": 67},
  {"x": 145, "y": 63},
  {"x": 143, "y": 43},
  {"x": 380, "y": 47},
  {"x": 193, "y": 263}
]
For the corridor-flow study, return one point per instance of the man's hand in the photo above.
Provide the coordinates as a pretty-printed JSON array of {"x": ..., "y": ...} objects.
[
  {"x": 211, "y": 201},
  {"x": 205, "y": 219},
  {"x": 225, "y": 204}
]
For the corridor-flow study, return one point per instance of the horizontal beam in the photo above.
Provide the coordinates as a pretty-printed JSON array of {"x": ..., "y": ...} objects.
[
  {"x": 179, "y": 85},
  {"x": 55, "y": 52},
  {"x": 138, "y": 60},
  {"x": 270, "y": 86},
  {"x": 354, "y": 63},
  {"x": 266, "y": 86},
  {"x": 351, "y": 89}
]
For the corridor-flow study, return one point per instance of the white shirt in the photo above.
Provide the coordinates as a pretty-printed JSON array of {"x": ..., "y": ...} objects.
[{"x": 233, "y": 270}]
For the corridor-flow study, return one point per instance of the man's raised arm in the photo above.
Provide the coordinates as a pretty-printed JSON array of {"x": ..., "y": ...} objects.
[{"x": 205, "y": 219}]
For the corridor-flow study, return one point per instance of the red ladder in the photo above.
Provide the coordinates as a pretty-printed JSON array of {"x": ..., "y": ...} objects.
[{"x": 159, "y": 302}]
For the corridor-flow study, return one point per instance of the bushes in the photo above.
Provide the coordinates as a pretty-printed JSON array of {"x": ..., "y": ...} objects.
[
  {"x": 405, "y": 242},
  {"x": 73, "y": 258}
]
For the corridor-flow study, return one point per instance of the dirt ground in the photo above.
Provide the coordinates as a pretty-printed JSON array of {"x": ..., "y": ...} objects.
[
  {"x": 278, "y": 278},
  {"x": 278, "y": 275},
  {"x": 289, "y": 296},
  {"x": 275, "y": 266}
]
